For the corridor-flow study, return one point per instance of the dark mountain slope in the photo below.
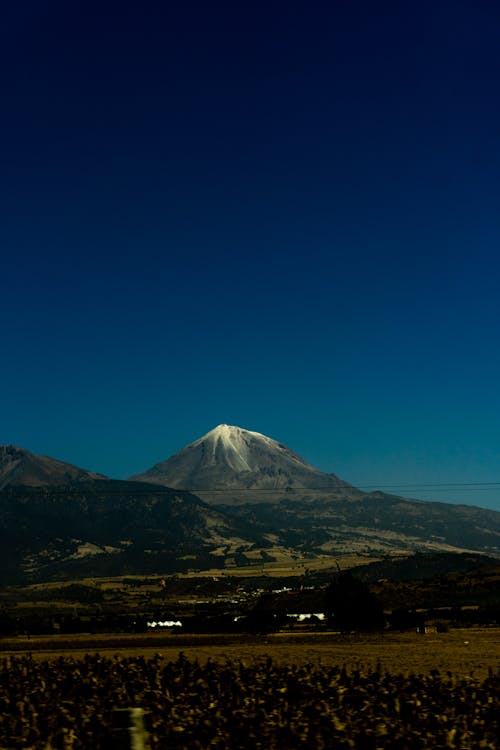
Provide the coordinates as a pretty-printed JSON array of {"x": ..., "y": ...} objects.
[
  {"x": 261, "y": 503},
  {"x": 273, "y": 490},
  {"x": 376, "y": 521},
  {"x": 427, "y": 565},
  {"x": 95, "y": 527},
  {"x": 20, "y": 467}
]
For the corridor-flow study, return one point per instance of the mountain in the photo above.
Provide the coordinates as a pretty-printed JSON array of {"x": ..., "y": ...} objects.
[
  {"x": 231, "y": 465},
  {"x": 236, "y": 498},
  {"x": 20, "y": 467},
  {"x": 110, "y": 527},
  {"x": 372, "y": 525},
  {"x": 273, "y": 491}
]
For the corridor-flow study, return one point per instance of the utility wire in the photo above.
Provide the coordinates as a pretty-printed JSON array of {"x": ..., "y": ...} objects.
[
  {"x": 437, "y": 486},
  {"x": 363, "y": 486}
]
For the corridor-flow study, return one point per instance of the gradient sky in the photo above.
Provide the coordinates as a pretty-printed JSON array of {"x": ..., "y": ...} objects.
[{"x": 283, "y": 216}]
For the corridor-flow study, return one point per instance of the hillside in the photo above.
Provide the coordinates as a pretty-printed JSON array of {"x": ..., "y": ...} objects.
[
  {"x": 108, "y": 528},
  {"x": 259, "y": 504},
  {"x": 374, "y": 523},
  {"x": 20, "y": 467}
]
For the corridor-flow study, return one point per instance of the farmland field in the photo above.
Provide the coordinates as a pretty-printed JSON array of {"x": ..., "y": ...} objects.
[
  {"x": 317, "y": 692},
  {"x": 461, "y": 651}
]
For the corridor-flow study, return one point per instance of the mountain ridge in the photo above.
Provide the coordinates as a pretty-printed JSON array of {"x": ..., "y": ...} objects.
[
  {"x": 271, "y": 507},
  {"x": 19, "y": 466}
]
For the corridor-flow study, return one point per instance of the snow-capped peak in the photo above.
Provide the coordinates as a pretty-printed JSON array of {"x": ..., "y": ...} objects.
[
  {"x": 232, "y": 457},
  {"x": 230, "y": 445}
]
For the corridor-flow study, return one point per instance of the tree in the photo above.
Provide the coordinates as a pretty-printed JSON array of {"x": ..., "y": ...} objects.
[{"x": 350, "y": 605}]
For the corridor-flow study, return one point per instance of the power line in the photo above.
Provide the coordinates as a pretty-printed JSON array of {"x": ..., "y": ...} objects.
[
  {"x": 424, "y": 486},
  {"x": 286, "y": 489},
  {"x": 437, "y": 486}
]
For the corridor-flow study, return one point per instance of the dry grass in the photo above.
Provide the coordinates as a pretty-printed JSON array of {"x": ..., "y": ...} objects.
[{"x": 464, "y": 652}]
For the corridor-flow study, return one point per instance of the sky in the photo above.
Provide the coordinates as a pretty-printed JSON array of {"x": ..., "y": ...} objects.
[{"x": 282, "y": 216}]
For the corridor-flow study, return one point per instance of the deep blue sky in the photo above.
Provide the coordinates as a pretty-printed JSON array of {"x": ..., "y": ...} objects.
[{"x": 283, "y": 216}]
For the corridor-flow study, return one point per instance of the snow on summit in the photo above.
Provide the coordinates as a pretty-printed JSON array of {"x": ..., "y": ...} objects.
[
  {"x": 228, "y": 443},
  {"x": 237, "y": 447},
  {"x": 230, "y": 457}
]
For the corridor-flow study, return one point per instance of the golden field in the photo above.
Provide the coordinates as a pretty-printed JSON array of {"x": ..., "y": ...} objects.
[{"x": 461, "y": 651}]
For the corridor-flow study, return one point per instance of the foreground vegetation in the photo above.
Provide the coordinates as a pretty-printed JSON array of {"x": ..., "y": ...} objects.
[
  {"x": 252, "y": 674},
  {"x": 471, "y": 651},
  {"x": 68, "y": 703}
]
